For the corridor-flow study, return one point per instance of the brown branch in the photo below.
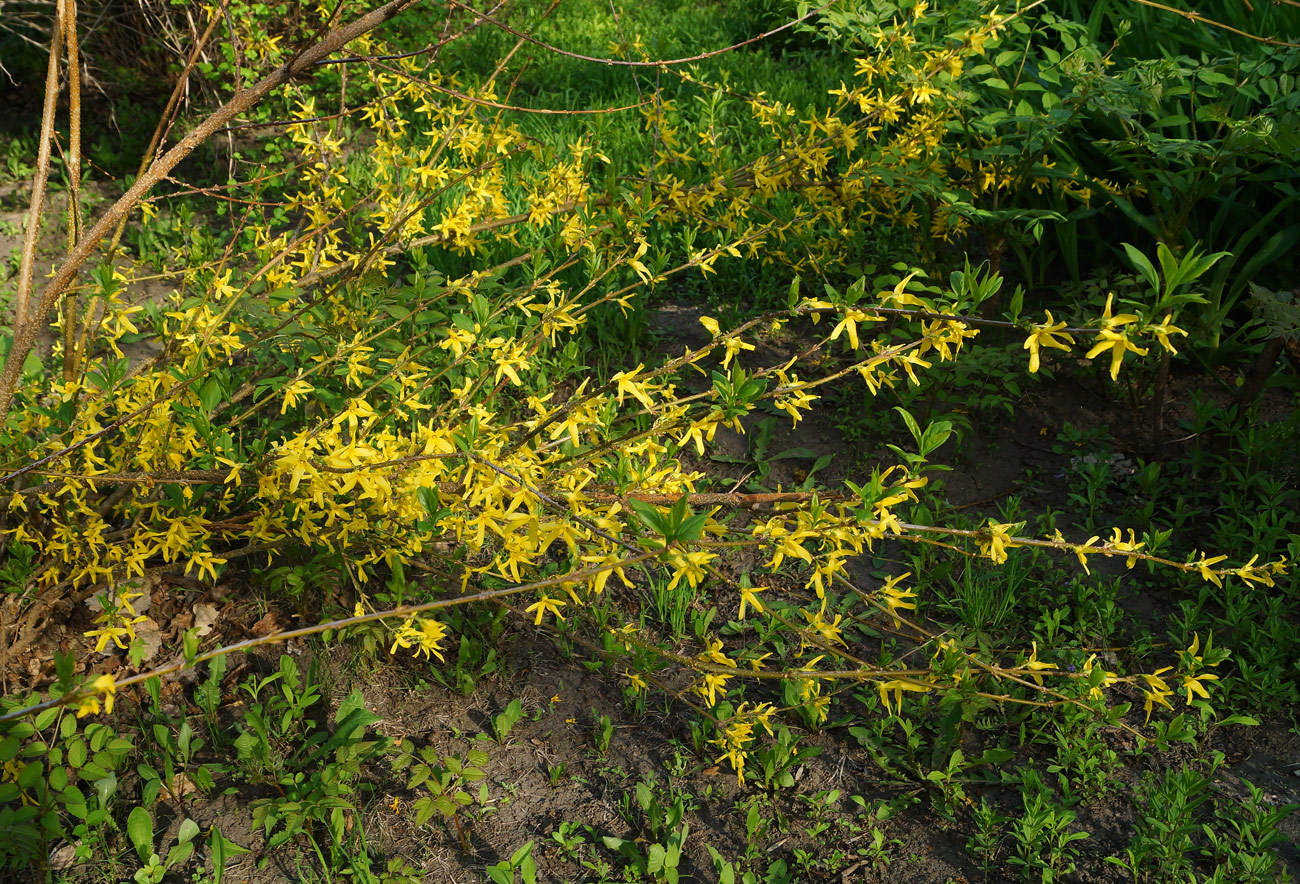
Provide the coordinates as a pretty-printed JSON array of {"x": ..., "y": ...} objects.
[{"x": 730, "y": 498}]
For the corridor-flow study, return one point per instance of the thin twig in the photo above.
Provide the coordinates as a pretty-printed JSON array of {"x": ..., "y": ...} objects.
[{"x": 1197, "y": 17}]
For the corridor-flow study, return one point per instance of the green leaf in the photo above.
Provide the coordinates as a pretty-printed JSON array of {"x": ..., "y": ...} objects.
[
  {"x": 139, "y": 827},
  {"x": 77, "y": 753},
  {"x": 521, "y": 854},
  {"x": 650, "y": 515},
  {"x": 181, "y": 853},
  {"x": 726, "y": 871},
  {"x": 1017, "y": 303},
  {"x": 188, "y": 831},
  {"x": 795, "y": 453},
  {"x": 935, "y": 435},
  {"x": 911, "y": 423},
  {"x": 31, "y": 774},
  {"x": 74, "y": 800},
  {"x": 1243, "y": 720},
  {"x": 1143, "y": 266},
  {"x": 1169, "y": 266},
  {"x": 9, "y": 748},
  {"x": 210, "y": 394},
  {"x": 1209, "y": 75},
  {"x": 64, "y": 666},
  {"x": 105, "y": 786},
  {"x": 424, "y": 809},
  {"x": 692, "y": 528},
  {"x": 677, "y": 515},
  {"x": 656, "y": 859},
  {"x": 996, "y": 755},
  {"x": 429, "y": 500}
]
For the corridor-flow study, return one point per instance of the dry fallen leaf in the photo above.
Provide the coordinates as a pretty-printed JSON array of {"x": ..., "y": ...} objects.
[
  {"x": 63, "y": 858},
  {"x": 180, "y": 786},
  {"x": 267, "y": 625},
  {"x": 205, "y": 617},
  {"x": 149, "y": 633}
]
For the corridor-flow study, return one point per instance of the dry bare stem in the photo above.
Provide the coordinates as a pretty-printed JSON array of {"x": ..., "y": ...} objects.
[{"x": 42, "y": 174}]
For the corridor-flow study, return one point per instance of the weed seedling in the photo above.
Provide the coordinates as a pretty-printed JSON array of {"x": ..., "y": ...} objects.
[
  {"x": 876, "y": 852},
  {"x": 504, "y": 722},
  {"x": 986, "y": 844},
  {"x": 1043, "y": 845},
  {"x": 1162, "y": 848},
  {"x": 139, "y": 828},
  {"x": 570, "y": 840},
  {"x": 666, "y": 832},
  {"x": 603, "y": 735},
  {"x": 778, "y": 760},
  {"x": 445, "y": 778},
  {"x": 1243, "y": 840},
  {"x": 520, "y": 861}
]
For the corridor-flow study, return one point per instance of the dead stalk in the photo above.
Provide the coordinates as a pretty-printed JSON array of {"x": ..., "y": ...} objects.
[
  {"x": 72, "y": 163},
  {"x": 39, "y": 179}
]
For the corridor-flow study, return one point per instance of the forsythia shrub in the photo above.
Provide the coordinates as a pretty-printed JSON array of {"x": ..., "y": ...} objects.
[{"x": 381, "y": 373}]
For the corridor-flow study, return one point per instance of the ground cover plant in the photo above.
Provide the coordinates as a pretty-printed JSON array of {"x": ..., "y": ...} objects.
[{"x": 755, "y": 442}]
